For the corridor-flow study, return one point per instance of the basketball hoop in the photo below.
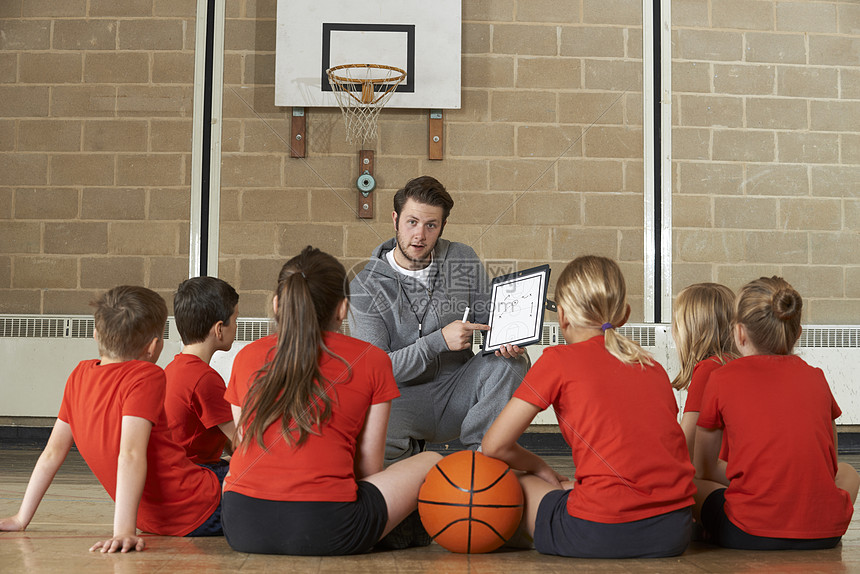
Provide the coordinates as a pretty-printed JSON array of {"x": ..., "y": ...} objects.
[{"x": 361, "y": 91}]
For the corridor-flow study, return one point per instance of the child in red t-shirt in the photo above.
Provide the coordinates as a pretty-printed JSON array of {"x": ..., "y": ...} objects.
[
  {"x": 113, "y": 411},
  {"x": 200, "y": 419},
  {"x": 702, "y": 329},
  {"x": 311, "y": 406},
  {"x": 633, "y": 488},
  {"x": 786, "y": 489}
]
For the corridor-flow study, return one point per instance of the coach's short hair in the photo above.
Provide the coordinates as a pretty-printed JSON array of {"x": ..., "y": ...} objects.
[{"x": 427, "y": 190}]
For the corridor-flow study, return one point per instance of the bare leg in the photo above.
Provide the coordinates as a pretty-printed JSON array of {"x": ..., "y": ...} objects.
[
  {"x": 399, "y": 485},
  {"x": 703, "y": 489},
  {"x": 723, "y": 465},
  {"x": 848, "y": 480},
  {"x": 534, "y": 489}
]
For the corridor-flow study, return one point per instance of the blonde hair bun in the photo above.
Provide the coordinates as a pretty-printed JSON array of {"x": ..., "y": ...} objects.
[
  {"x": 770, "y": 310},
  {"x": 786, "y": 303}
]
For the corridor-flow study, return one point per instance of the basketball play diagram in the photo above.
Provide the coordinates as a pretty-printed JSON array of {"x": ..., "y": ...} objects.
[{"x": 513, "y": 315}]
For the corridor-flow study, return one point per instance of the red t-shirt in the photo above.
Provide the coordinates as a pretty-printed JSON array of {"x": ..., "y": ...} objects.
[
  {"x": 701, "y": 372},
  {"x": 178, "y": 496},
  {"x": 778, "y": 413},
  {"x": 195, "y": 406},
  {"x": 621, "y": 423},
  {"x": 322, "y": 468}
]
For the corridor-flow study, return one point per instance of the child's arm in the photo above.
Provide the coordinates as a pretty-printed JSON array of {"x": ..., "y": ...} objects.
[
  {"x": 130, "y": 478},
  {"x": 707, "y": 459},
  {"x": 46, "y": 468},
  {"x": 501, "y": 442},
  {"x": 229, "y": 430},
  {"x": 237, "y": 414},
  {"x": 370, "y": 444},
  {"x": 688, "y": 425}
]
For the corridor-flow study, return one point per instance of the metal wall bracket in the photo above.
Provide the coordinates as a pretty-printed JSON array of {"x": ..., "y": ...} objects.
[
  {"x": 365, "y": 184},
  {"x": 435, "y": 129},
  {"x": 297, "y": 133}
]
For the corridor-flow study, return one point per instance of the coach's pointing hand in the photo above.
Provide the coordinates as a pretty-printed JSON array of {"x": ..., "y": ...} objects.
[{"x": 458, "y": 334}]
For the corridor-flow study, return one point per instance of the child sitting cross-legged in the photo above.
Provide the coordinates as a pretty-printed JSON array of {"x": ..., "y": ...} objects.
[
  {"x": 702, "y": 330},
  {"x": 633, "y": 489},
  {"x": 113, "y": 411},
  {"x": 200, "y": 418},
  {"x": 786, "y": 489},
  {"x": 311, "y": 406}
]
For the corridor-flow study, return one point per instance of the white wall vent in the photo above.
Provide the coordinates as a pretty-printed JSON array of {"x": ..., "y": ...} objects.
[
  {"x": 50, "y": 327},
  {"x": 248, "y": 330},
  {"x": 833, "y": 337},
  {"x": 43, "y": 326},
  {"x": 39, "y": 351},
  {"x": 645, "y": 335}
]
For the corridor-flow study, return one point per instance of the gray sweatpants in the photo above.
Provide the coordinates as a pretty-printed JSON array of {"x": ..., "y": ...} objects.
[{"x": 463, "y": 403}]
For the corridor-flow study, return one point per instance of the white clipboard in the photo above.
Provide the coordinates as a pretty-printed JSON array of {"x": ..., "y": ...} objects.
[{"x": 517, "y": 308}]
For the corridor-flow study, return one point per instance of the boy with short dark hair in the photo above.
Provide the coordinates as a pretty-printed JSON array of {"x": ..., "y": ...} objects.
[
  {"x": 113, "y": 411},
  {"x": 200, "y": 419}
]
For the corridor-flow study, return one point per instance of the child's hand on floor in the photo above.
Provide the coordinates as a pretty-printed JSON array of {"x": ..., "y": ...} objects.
[
  {"x": 120, "y": 544},
  {"x": 12, "y": 524}
]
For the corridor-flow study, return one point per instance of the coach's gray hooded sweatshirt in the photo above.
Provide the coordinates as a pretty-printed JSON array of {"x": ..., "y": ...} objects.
[{"x": 387, "y": 307}]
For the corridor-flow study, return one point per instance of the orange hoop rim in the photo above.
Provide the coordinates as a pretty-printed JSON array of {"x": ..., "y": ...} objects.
[{"x": 399, "y": 77}]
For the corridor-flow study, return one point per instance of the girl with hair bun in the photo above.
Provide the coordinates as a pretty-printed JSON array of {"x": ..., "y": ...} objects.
[
  {"x": 702, "y": 330},
  {"x": 311, "y": 409},
  {"x": 633, "y": 489},
  {"x": 786, "y": 489}
]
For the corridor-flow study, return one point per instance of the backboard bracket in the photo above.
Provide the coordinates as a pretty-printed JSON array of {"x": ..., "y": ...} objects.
[
  {"x": 365, "y": 184},
  {"x": 435, "y": 130},
  {"x": 297, "y": 133}
]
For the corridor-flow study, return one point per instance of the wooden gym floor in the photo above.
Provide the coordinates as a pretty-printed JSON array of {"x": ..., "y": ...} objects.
[{"x": 76, "y": 512}]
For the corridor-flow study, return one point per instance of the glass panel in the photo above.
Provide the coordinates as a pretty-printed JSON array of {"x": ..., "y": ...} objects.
[{"x": 765, "y": 145}]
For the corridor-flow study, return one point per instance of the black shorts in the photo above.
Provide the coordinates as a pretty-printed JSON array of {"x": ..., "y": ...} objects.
[
  {"x": 212, "y": 526},
  {"x": 559, "y": 533},
  {"x": 304, "y": 528},
  {"x": 722, "y": 531}
]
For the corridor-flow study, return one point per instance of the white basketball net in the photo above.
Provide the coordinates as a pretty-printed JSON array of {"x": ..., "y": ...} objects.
[{"x": 361, "y": 91}]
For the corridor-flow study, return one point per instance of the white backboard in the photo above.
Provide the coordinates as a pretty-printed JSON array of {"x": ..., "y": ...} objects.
[{"x": 419, "y": 36}]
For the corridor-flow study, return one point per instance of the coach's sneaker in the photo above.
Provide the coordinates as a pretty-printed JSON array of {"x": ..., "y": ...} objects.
[
  {"x": 407, "y": 534},
  {"x": 420, "y": 535}
]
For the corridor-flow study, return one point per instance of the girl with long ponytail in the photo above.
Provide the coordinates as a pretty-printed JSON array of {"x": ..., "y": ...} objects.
[{"x": 311, "y": 407}]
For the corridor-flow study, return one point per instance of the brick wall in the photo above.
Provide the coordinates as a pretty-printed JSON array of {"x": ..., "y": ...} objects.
[
  {"x": 544, "y": 159},
  {"x": 95, "y": 141},
  {"x": 766, "y": 171}
]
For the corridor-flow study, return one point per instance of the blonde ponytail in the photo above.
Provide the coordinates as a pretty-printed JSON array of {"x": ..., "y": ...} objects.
[{"x": 592, "y": 292}]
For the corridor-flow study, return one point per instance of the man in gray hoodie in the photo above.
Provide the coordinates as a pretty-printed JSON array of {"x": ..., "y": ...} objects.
[{"x": 410, "y": 300}]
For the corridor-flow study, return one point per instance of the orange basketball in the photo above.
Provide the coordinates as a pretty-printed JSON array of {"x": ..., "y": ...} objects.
[{"x": 470, "y": 503}]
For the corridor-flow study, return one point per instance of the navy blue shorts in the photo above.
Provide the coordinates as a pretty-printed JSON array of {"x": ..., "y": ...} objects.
[
  {"x": 559, "y": 533},
  {"x": 212, "y": 526},
  {"x": 305, "y": 528},
  {"x": 722, "y": 531}
]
